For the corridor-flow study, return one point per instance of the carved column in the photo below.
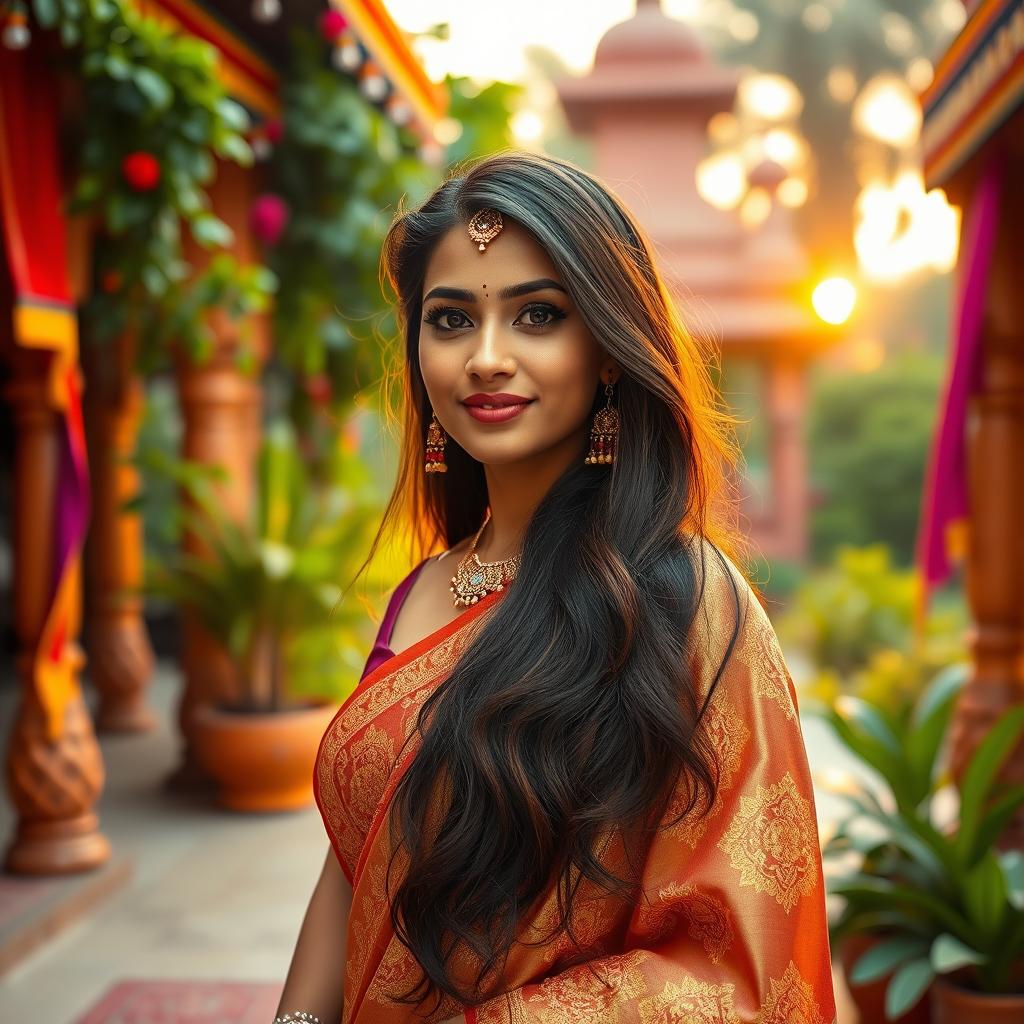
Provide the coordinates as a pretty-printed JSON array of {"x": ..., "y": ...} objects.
[
  {"x": 221, "y": 408},
  {"x": 120, "y": 656},
  {"x": 785, "y": 390},
  {"x": 217, "y": 403},
  {"x": 53, "y": 784},
  {"x": 995, "y": 562}
]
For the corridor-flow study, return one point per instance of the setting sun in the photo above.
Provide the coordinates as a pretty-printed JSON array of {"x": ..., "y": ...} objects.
[{"x": 833, "y": 299}]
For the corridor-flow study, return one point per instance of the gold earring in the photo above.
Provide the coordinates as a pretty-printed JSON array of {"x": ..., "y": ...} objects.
[
  {"x": 604, "y": 433},
  {"x": 436, "y": 440},
  {"x": 484, "y": 226}
]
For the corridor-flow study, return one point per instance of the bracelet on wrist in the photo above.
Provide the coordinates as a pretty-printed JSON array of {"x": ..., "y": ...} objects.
[{"x": 298, "y": 1017}]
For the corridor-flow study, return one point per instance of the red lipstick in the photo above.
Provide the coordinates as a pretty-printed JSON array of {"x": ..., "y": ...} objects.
[{"x": 495, "y": 408}]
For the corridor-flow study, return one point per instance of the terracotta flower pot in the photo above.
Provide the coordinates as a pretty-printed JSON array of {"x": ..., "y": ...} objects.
[
  {"x": 952, "y": 1004},
  {"x": 869, "y": 998},
  {"x": 262, "y": 761}
]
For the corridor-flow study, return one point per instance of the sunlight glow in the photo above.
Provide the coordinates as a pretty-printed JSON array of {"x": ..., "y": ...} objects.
[
  {"x": 833, "y": 300},
  {"x": 902, "y": 229},
  {"x": 887, "y": 110},
  {"x": 527, "y": 126}
]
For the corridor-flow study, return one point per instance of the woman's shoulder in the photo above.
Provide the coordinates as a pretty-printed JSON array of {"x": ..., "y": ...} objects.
[
  {"x": 724, "y": 592},
  {"x": 731, "y": 628}
]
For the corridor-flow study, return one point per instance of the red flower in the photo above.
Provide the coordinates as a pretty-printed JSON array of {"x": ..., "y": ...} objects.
[
  {"x": 141, "y": 170},
  {"x": 274, "y": 130},
  {"x": 332, "y": 24},
  {"x": 111, "y": 280},
  {"x": 318, "y": 388}
]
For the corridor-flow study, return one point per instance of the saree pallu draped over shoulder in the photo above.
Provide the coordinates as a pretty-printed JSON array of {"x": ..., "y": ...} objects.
[{"x": 729, "y": 923}]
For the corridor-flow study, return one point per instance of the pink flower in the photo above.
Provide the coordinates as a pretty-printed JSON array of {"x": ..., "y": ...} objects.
[
  {"x": 332, "y": 24},
  {"x": 269, "y": 217}
]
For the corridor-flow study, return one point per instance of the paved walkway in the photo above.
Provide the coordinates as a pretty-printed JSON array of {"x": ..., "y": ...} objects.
[{"x": 213, "y": 909}]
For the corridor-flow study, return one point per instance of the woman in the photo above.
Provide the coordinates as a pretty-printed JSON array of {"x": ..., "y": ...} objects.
[{"x": 571, "y": 784}]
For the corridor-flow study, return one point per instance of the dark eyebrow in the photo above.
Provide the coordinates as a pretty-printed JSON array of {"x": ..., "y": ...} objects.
[{"x": 512, "y": 292}]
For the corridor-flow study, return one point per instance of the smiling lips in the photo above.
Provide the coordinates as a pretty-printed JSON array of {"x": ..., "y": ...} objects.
[{"x": 495, "y": 408}]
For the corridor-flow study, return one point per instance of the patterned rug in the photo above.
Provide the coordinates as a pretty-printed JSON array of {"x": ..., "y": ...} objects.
[{"x": 185, "y": 1002}]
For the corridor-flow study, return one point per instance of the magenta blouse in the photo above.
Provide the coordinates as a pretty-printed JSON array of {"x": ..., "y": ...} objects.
[{"x": 381, "y": 651}]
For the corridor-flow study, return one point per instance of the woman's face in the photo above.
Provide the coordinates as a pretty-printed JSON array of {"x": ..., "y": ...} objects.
[{"x": 529, "y": 351}]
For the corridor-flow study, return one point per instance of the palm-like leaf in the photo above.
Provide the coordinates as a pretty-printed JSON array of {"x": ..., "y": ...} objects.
[{"x": 945, "y": 901}]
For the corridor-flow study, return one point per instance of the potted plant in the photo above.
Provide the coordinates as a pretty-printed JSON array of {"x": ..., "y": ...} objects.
[
  {"x": 268, "y": 590},
  {"x": 935, "y": 905}
]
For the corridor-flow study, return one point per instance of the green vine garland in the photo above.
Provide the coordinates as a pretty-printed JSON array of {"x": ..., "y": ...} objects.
[{"x": 152, "y": 95}]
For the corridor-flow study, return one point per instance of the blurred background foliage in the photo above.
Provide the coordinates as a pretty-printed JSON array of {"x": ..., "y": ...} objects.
[
  {"x": 854, "y": 619},
  {"x": 868, "y": 436}
]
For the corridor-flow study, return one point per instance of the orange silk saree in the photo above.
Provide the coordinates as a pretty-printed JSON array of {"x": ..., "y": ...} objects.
[{"x": 729, "y": 924}]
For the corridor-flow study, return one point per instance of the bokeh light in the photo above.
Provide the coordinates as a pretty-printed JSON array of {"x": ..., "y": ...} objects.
[
  {"x": 771, "y": 97},
  {"x": 722, "y": 180},
  {"x": 902, "y": 229},
  {"x": 834, "y": 299},
  {"x": 756, "y": 207},
  {"x": 887, "y": 110},
  {"x": 793, "y": 192},
  {"x": 527, "y": 127},
  {"x": 841, "y": 84}
]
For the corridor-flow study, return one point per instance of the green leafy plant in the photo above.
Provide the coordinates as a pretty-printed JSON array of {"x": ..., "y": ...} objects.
[
  {"x": 150, "y": 94},
  {"x": 855, "y": 619},
  {"x": 269, "y": 588},
  {"x": 941, "y": 899},
  {"x": 341, "y": 167}
]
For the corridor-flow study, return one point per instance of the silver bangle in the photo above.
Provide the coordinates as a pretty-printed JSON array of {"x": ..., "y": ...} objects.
[{"x": 297, "y": 1017}]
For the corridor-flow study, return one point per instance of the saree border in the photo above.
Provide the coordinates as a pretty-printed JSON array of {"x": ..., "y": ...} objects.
[{"x": 407, "y": 666}]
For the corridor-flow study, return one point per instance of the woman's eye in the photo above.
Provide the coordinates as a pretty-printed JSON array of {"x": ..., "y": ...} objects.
[
  {"x": 436, "y": 317},
  {"x": 534, "y": 316}
]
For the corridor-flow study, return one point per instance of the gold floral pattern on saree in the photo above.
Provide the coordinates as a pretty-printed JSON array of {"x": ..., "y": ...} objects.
[
  {"x": 397, "y": 973},
  {"x": 790, "y": 1001},
  {"x": 771, "y": 842},
  {"x": 728, "y": 734},
  {"x": 708, "y": 919},
  {"x": 365, "y": 926},
  {"x": 763, "y": 655},
  {"x": 588, "y": 994},
  {"x": 689, "y": 1001},
  {"x": 371, "y": 759},
  {"x": 347, "y": 805}
]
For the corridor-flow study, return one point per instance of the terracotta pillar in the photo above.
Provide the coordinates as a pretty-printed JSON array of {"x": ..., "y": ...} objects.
[
  {"x": 221, "y": 408},
  {"x": 120, "y": 656},
  {"x": 995, "y": 562},
  {"x": 217, "y": 403},
  {"x": 785, "y": 398},
  {"x": 54, "y": 784}
]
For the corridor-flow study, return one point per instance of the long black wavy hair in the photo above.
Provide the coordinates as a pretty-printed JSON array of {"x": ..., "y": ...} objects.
[{"x": 571, "y": 714}]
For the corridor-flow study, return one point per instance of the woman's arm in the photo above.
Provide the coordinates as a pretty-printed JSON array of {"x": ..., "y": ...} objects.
[{"x": 315, "y": 978}]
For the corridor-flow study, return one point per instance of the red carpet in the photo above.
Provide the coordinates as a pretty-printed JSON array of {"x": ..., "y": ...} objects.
[{"x": 186, "y": 1002}]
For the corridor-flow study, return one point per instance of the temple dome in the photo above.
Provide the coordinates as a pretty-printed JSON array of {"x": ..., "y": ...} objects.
[{"x": 650, "y": 36}]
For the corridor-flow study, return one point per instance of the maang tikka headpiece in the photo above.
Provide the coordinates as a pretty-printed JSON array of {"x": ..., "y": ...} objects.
[{"x": 484, "y": 226}]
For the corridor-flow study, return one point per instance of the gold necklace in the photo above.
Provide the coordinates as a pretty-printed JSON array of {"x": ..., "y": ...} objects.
[{"x": 474, "y": 579}]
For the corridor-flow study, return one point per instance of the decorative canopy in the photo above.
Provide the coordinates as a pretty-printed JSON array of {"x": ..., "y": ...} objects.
[
  {"x": 978, "y": 87},
  {"x": 252, "y": 52}
]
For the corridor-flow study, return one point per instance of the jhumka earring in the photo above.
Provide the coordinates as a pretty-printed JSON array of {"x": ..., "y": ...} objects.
[
  {"x": 484, "y": 226},
  {"x": 604, "y": 433},
  {"x": 436, "y": 438}
]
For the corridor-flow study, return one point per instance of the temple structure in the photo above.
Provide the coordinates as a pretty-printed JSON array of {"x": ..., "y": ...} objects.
[{"x": 645, "y": 107}]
